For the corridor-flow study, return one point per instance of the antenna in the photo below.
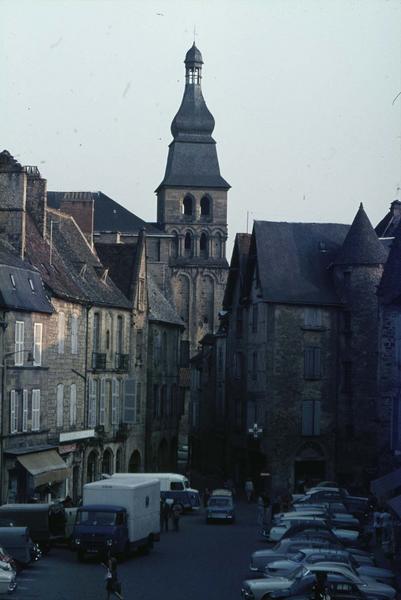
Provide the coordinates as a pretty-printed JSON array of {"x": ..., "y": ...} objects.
[{"x": 51, "y": 242}]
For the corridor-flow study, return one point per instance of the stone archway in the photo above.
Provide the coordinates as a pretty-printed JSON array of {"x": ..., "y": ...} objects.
[
  {"x": 107, "y": 462},
  {"x": 119, "y": 461},
  {"x": 163, "y": 457},
  {"x": 134, "y": 465},
  {"x": 173, "y": 454},
  {"x": 310, "y": 465}
]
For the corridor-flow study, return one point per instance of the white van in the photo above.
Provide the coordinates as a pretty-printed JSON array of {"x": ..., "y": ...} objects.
[{"x": 172, "y": 485}]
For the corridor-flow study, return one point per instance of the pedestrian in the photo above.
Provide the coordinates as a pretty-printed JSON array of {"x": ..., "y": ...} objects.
[
  {"x": 206, "y": 496},
  {"x": 320, "y": 589},
  {"x": 166, "y": 511},
  {"x": 378, "y": 526},
  {"x": 249, "y": 488},
  {"x": 176, "y": 514},
  {"x": 113, "y": 586}
]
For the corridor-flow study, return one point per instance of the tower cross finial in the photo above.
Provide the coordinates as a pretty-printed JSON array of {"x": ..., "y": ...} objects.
[{"x": 194, "y": 34}]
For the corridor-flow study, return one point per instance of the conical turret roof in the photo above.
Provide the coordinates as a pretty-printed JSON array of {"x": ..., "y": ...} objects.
[{"x": 361, "y": 245}]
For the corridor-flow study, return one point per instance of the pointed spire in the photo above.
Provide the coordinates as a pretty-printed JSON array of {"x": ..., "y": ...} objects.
[{"x": 361, "y": 245}]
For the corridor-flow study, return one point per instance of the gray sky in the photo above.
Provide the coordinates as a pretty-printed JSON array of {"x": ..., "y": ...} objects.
[{"x": 302, "y": 92}]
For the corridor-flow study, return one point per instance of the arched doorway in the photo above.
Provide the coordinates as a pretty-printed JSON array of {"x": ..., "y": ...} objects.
[
  {"x": 91, "y": 473},
  {"x": 107, "y": 462},
  {"x": 309, "y": 466},
  {"x": 163, "y": 457},
  {"x": 134, "y": 465}
]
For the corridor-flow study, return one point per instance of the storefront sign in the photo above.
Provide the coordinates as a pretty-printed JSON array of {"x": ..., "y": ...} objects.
[{"x": 76, "y": 435}]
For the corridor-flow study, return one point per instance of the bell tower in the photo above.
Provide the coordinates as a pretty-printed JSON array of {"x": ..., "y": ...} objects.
[{"x": 192, "y": 208}]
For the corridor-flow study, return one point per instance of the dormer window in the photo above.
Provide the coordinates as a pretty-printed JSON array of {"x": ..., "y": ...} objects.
[
  {"x": 31, "y": 284},
  {"x": 13, "y": 281}
]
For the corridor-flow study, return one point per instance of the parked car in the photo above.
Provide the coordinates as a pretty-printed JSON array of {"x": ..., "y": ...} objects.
[
  {"x": 343, "y": 520},
  {"x": 17, "y": 543},
  {"x": 289, "y": 547},
  {"x": 46, "y": 522},
  {"x": 309, "y": 556},
  {"x": 342, "y": 533},
  {"x": 7, "y": 581},
  {"x": 220, "y": 507},
  {"x": 302, "y": 579}
]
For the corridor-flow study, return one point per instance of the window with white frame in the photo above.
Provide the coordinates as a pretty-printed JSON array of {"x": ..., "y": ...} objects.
[
  {"x": 13, "y": 411},
  {"x": 311, "y": 417},
  {"x": 60, "y": 405},
  {"x": 74, "y": 333},
  {"x": 24, "y": 410},
  {"x": 61, "y": 332},
  {"x": 37, "y": 344},
  {"x": 102, "y": 403},
  {"x": 93, "y": 387},
  {"x": 35, "y": 410},
  {"x": 19, "y": 344},
  {"x": 115, "y": 400},
  {"x": 73, "y": 404},
  {"x": 312, "y": 316}
]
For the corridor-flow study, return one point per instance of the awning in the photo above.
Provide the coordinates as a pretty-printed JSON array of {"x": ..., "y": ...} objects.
[
  {"x": 395, "y": 504},
  {"x": 387, "y": 483},
  {"x": 45, "y": 467}
]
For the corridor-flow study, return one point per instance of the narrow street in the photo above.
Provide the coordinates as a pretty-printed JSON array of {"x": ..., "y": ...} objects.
[{"x": 201, "y": 562}]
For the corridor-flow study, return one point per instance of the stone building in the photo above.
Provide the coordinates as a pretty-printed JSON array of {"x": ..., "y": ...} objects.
[{"x": 302, "y": 353}]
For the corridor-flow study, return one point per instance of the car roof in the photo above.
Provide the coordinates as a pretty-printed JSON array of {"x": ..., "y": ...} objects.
[{"x": 221, "y": 492}]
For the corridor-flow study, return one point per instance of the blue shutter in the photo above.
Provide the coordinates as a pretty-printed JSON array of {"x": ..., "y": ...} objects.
[{"x": 307, "y": 417}]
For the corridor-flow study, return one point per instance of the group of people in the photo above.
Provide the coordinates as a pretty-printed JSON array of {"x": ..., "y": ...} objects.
[{"x": 170, "y": 511}]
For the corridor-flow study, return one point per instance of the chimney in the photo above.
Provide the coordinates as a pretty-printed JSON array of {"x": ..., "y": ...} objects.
[
  {"x": 13, "y": 186},
  {"x": 81, "y": 206},
  {"x": 36, "y": 199}
]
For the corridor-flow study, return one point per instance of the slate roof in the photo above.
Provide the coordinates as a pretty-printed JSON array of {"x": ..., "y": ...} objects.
[
  {"x": 293, "y": 261},
  {"x": 192, "y": 158},
  {"x": 160, "y": 309},
  {"x": 238, "y": 264},
  {"x": 109, "y": 215},
  {"x": 21, "y": 296},
  {"x": 361, "y": 246},
  {"x": 193, "y": 55},
  {"x": 389, "y": 290},
  {"x": 387, "y": 226},
  {"x": 75, "y": 272},
  {"x": 120, "y": 259}
]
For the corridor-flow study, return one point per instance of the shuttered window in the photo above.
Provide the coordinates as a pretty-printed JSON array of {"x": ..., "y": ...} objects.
[
  {"x": 102, "y": 403},
  {"x": 13, "y": 411},
  {"x": 74, "y": 334},
  {"x": 37, "y": 344},
  {"x": 25, "y": 410},
  {"x": 313, "y": 317},
  {"x": 61, "y": 332},
  {"x": 138, "y": 401},
  {"x": 19, "y": 343},
  {"x": 115, "y": 397},
  {"x": 311, "y": 417},
  {"x": 312, "y": 362},
  {"x": 73, "y": 404},
  {"x": 60, "y": 405},
  {"x": 129, "y": 401},
  {"x": 92, "y": 402},
  {"x": 35, "y": 410}
]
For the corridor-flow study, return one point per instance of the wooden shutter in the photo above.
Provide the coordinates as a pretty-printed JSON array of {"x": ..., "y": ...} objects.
[
  {"x": 24, "y": 410},
  {"x": 35, "y": 410},
  {"x": 102, "y": 403},
  {"x": 19, "y": 343},
  {"x": 316, "y": 417},
  {"x": 73, "y": 404},
  {"x": 129, "y": 401},
  {"x": 60, "y": 405},
  {"x": 13, "y": 411},
  {"x": 37, "y": 344},
  {"x": 115, "y": 395},
  {"x": 312, "y": 362},
  {"x": 92, "y": 403},
  {"x": 74, "y": 334},
  {"x": 138, "y": 401},
  {"x": 307, "y": 417}
]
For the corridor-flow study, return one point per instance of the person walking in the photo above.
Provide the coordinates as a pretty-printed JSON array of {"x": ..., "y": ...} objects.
[
  {"x": 165, "y": 515},
  {"x": 113, "y": 586},
  {"x": 249, "y": 489},
  {"x": 206, "y": 496},
  {"x": 378, "y": 526},
  {"x": 176, "y": 514}
]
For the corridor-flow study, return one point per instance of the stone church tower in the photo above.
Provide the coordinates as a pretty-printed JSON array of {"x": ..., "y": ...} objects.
[{"x": 192, "y": 207}]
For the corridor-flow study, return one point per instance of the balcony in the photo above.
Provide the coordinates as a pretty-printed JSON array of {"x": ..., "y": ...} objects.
[
  {"x": 98, "y": 361},
  {"x": 121, "y": 363}
]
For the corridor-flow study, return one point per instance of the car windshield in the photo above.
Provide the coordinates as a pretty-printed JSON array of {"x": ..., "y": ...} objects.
[
  {"x": 222, "y": 502},
  {"x": 95, "y": 517},
  {"x": 298, "y": 557},
  {"x": 297, "y": 573}
]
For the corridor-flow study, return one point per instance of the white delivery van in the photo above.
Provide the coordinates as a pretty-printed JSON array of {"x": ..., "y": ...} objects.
[
  {"x": 172, "y": 485},
  {"x": 118, "y": 516}
]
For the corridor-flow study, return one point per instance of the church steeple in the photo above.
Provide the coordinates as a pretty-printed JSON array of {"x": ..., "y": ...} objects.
[{"x": 192, "y": 159}]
